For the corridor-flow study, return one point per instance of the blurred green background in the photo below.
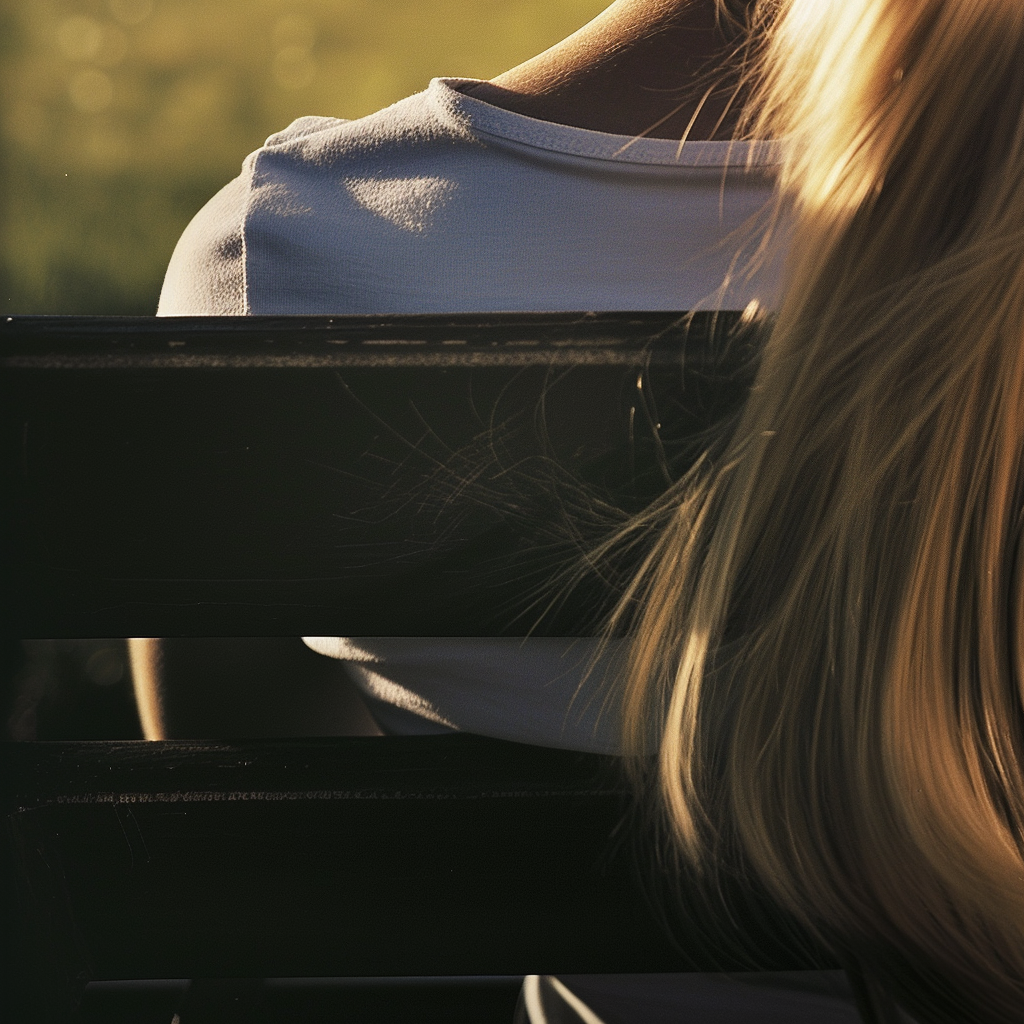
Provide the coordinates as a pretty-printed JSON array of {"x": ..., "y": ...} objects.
[{"x": 120, "y": 118}]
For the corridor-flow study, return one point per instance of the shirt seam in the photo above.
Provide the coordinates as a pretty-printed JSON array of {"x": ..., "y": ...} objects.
[{"x": 464, "y": 107}]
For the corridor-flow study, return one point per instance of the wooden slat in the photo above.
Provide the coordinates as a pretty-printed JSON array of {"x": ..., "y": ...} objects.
[
  {"x": 247, "y": 342},
  {"x": 289, "y": 476},
  {"x": 342, "y": 857}
]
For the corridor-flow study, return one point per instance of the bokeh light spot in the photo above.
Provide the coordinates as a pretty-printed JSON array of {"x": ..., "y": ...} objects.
[
  {"x": 294, "y": 30},
  {"x": 80, "y": 37},
  {"x": 91, "y": 91},
  {"x": 294, "y": 68}
]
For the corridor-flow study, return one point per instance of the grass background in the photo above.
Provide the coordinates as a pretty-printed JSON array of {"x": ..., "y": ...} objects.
[{"x": 120, "y": 118}]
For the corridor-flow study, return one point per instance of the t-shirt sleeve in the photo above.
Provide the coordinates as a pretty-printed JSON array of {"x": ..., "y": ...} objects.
[{"x": 206, "y": 275}]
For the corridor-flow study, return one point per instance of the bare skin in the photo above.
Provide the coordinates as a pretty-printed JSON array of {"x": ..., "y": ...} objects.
[
  {"x": 636, "y": 69},
  {"x": 239, "y": 688}
]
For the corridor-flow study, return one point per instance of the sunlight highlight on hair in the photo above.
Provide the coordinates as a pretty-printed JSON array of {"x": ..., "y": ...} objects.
[{"x": 826, "y": 630}]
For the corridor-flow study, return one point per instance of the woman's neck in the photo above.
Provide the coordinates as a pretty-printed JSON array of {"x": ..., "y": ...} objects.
[{"x": 639, "y": 68}]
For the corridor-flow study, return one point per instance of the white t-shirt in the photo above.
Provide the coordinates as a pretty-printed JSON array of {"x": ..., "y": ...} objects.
[
  {"x": 543, "y": 690},
  {"x": 444, "y": 203}
]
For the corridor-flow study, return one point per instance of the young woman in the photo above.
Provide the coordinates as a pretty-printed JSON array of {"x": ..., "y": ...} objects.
[
  {"x": 563, "y": 184},
  {"x": 826, "y": 632}
]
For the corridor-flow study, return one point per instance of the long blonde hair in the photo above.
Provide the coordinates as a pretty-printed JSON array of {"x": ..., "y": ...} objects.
[{"x": 826, "y": 634}]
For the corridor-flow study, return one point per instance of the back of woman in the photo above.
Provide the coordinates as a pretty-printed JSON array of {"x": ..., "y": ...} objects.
[{"x": 827, "y": 647}]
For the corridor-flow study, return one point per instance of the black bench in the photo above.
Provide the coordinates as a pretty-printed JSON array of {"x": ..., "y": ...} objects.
[{"x": 295, "y": 476}]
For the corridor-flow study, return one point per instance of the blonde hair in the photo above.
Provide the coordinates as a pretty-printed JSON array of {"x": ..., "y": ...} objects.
[{"x": 826, "y": 643}]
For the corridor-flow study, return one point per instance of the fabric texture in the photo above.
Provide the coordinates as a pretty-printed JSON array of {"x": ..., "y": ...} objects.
[
  {"x": 444, "y": 203},
  {"x": 542, "y": 690}
]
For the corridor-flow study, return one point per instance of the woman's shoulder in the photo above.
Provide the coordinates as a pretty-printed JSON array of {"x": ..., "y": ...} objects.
[
  {"x": 422, "y": 119},
  {"x": 279, "y": 188}
]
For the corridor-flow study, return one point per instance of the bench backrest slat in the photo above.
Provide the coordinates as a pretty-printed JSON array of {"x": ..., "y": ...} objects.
[
  {"x": 357, "y": 476},
  {"x": 312, "y": 476}
]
